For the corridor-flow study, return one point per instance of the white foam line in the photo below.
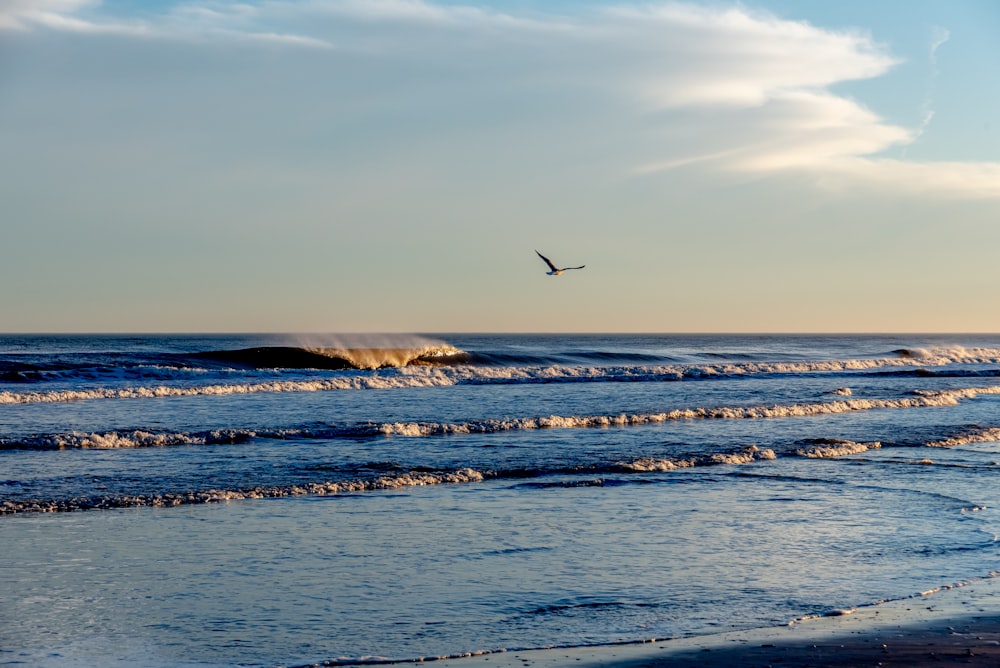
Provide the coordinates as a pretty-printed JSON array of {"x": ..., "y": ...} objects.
[
  {"x": 162, "y": 391},
  {"x": 411, "y": 479},
  {"x": 140, "y": 438},
  {"x": 986, "y": 435},
  {"x": 415, "y": 377},
  {"x": 923, "y": 400},
  {"x": 747, "y": 455},
  {"x": 654, "y": 465},
  {"x": 835, "y": 449},
  {"x": 919, "y": 594}
]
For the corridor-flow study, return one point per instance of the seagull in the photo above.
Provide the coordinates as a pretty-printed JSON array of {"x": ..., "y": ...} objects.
[{"x": 556, "y": 270}]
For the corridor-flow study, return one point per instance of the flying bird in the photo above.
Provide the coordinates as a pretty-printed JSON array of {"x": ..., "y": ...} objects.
[{"x": 556, "y": 270}]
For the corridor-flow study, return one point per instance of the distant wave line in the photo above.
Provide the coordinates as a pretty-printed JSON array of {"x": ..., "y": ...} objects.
[
  {"x": 163, "y": 391},
  {"x": 432, "y": 376},
  {"x": 333, "y": 358},
  {"x": 243, "y": 360}
]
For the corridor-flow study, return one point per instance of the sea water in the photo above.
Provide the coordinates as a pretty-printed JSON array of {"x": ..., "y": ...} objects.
[{"x": 296, "y": 500}]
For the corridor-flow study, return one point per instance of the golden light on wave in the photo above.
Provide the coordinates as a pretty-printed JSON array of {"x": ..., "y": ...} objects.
[
  {"x": 378, "y": 351},
  {"x": 379, "y": 358}
]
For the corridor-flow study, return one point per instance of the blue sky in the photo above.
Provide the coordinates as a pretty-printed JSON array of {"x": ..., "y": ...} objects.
[{"x": 391, "y": 166}]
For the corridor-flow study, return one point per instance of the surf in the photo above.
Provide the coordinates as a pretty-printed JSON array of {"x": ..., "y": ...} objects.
[
  {"x": 632, "y": 469},
  {"x": 335, "y": 359},
  {"x": 144, "y": 438}
]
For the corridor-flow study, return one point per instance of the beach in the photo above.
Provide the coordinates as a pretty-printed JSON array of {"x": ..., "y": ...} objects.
[
  {"x": 958, "y": 626},
  {"x": 524, "y": 334}
]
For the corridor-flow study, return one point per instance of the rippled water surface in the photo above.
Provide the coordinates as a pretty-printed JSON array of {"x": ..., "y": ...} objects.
[{"x": 203, "y": 501}]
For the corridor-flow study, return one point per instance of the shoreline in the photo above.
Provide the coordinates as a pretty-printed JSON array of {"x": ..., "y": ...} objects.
[{"x": 957, "y": 625}]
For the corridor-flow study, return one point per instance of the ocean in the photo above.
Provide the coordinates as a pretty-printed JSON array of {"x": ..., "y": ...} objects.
[{"x": 179, "y": 501}]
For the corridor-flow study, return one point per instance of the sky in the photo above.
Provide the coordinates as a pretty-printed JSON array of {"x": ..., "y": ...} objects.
[{"x": 392, "y": 166}]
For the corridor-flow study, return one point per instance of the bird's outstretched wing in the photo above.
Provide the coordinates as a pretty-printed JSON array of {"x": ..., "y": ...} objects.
[
  {"x": 568, "y": 268},
  {"x": 547, "y": 261}
]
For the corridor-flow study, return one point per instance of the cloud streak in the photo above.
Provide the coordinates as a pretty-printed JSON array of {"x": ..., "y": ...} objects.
[
  {"x": 938, "y": 39},
  {"x": 63, "y": 16},
  {"x": 766, "y": 83},
  {"x": 733, "y": 57},
  {"x": 229, "y": 22}
]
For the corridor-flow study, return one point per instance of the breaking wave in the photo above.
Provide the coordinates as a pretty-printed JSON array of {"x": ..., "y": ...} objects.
[
  {"x": 393, "y": 482},
  {"x": 411, "y": 479},
  {"x": 978, "y": 435},
  {"x": 818, "y": 449},
  {"x": 441, "y": 366},
  {"x": 357, "y": 382},
  {"x": 657, "y": 465},
  {"x": 945, "y": 354},
  {"x": 923, "y": 400},
  {"x": 436, "y": 353},
  {"x": 287, "y": 357},
  {"x": 143, "y": 438},
  {"x": 139, "y": 438},
  {"x": 400, "y": 479},
  {"x": 832, "y": 448}
]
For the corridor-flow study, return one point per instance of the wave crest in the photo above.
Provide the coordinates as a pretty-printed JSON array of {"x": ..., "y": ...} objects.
[
  {"x": 745, "y": 456},
  {"x": 361, "y": 358},
  {"x": 980, "y": 435},
  {"x": 401, "y": 481},
  {"x": 140, "y": 438},
  {"x": 830, "y": 448}
]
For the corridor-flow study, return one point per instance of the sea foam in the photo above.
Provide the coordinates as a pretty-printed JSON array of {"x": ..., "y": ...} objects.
[
  {"x": 356, "y": 486},
  {"x": 142, "y": 438},
  {"x": 382, "y": 378}
]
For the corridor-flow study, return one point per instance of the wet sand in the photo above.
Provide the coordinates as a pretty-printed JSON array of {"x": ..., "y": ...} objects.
[{"x": 958, "y": 626}]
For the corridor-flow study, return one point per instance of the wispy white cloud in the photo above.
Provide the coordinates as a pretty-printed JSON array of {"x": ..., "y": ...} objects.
[
  {"x": 233, "y": 21},
  {"x": 760, "y": 89},
  {"x": 414, "y": 12},
  {"x": 725, "y": 88},
  {"x": 63, "y": 15},
  {"x": 802, "y": 131},
  {"x": 703, "y": 56},
  {"x": 938, "y": 39},
  {"x": 192, "y": 18}
]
